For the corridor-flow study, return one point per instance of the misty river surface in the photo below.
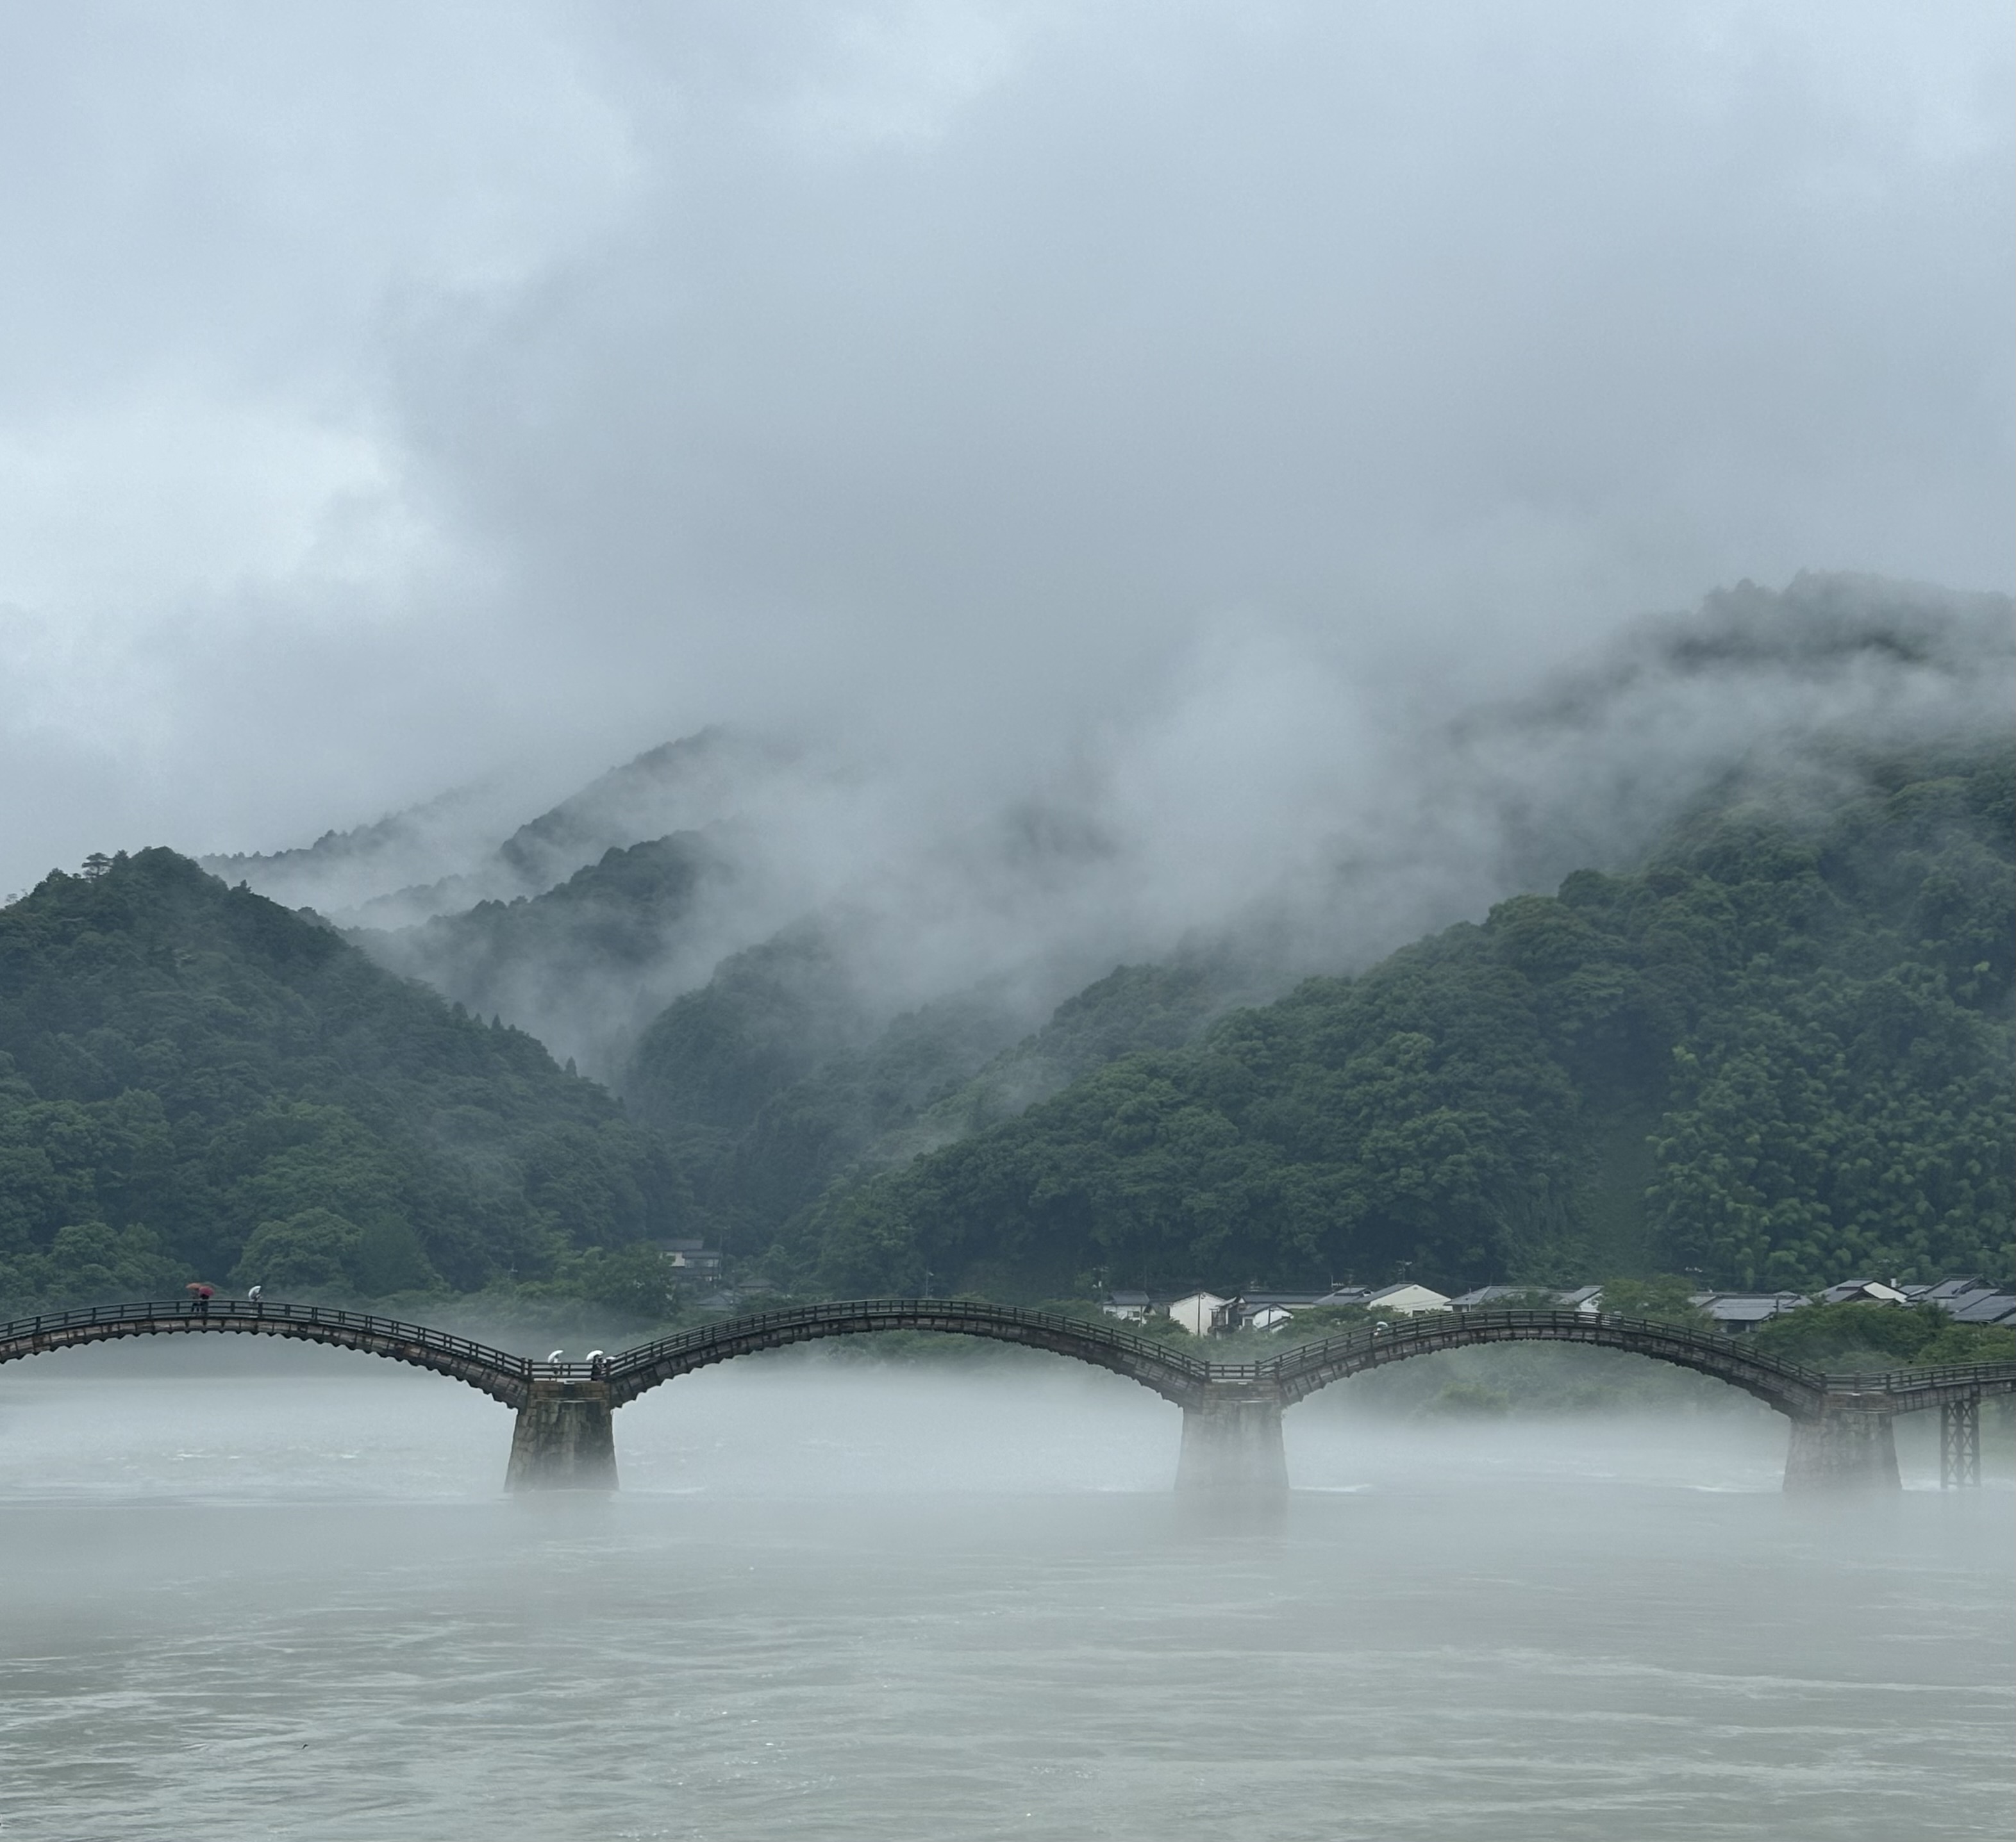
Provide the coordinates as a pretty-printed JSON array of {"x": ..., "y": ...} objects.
[{"x": 284, "y": 1598}]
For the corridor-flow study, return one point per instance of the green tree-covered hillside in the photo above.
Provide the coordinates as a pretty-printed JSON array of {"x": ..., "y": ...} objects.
[
  {"x": 197, "y": 1083},
  {"x": 1778, "y": 1054},
  {"x": 575, "y": 965},
  {"x": 770, "y": 1086}
]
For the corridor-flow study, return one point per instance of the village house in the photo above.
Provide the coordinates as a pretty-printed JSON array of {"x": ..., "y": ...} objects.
[
  {"x": 1984, "y": 1305},
  {"x": 1967, "y": 1299},
  {"x": 696, "y": 1261},
  {"x": 1199, "y": 1313},
  {"x": 1246, "y": 1311},
  {"x": 1588, "y": 1299},
  {"x": 1950, "y": 1292},
  {"x": 1864, "y": 1291},
  {"x": 1736, "y": 1313},
  {"x": 1406, "y": 1299}
]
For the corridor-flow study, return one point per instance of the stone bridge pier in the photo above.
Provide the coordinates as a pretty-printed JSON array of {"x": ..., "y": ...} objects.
[
  {"x": 1232, "y": 1443},
  {"x": 563, "y": 1439},
  {"x": 1843, "y": 1447}
]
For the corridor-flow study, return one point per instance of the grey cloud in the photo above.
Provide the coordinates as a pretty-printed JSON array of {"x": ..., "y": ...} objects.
[{"x": 1016, "y": 404}]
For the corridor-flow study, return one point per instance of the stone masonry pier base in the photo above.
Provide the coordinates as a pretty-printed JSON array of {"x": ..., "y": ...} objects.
[
  {"x": 1842, "y": 1449},
  {"x": 1231, "y": 1444},
  {"x": 563, "y": 1440}
]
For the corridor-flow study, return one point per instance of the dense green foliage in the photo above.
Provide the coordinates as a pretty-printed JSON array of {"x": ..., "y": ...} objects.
[
  {"x": 197, "y": 1083},
  {"x": 1778, "y": 1054},
  {"x": 608, "y": 920},
  {"x": 1862, "y": 1335},
  {"x": 770, "y": 1016},
  {"x": 771, "y": 1085},
  {"x": 1665, "y": 1298}
]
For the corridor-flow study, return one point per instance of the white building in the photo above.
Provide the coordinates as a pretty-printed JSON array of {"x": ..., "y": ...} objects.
[
  {"x": 1199, "y": 1313},
  {"x": 1863, "y": 1292},
  {"x": 1406, "y": 1298}
]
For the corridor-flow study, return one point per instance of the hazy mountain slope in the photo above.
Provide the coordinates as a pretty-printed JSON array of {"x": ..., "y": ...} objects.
[
  {"x": 767, "y": 1017},
  {"x": 681, "y": 787},
  {"x": 1319, "y": 850},
  {"x": 773, "y": 1081},
  {"x": 463, "y": 848},
  {"x": 442, "y": 842},
  {"x": 195, "y": 1082},
  {"x": 778, "y": 1071},
  {"x": 1133, "y": 1008},
  {"x": 1779, "y": 1052},
  {"x": 585, "y": 965},
  {"x": 757, "y": 1179}
]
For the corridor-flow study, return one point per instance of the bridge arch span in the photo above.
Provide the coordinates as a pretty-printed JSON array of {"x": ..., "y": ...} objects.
[
  {"x": 1795, "y": 1391},
  {"x": 501, "y": 1376},
  {"x": 1173, "y": 1373}
]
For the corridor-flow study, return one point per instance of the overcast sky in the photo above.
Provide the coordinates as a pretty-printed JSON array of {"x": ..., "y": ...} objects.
[{"x": 393, "y": 394}]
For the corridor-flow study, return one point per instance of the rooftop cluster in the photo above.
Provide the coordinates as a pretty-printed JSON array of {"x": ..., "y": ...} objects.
[{"x": 1966, "y": 1299}]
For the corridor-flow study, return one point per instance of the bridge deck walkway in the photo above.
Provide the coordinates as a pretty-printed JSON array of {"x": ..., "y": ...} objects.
[{"x": 1171, "y": 1369}]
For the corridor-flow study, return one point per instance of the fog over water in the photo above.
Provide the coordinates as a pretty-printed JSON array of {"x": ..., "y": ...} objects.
[
  {"x": 283, "y": 1598},
  {"x": 1124, "y": 478}
]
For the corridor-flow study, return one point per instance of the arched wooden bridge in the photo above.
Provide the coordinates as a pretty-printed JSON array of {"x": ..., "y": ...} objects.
[{"x": 1841, "y": 1424}]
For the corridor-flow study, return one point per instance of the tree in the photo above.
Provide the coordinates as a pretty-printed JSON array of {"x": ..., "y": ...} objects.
[
  {"x": 201, "y": 1066},
  {"x": 316, "y": 1250},
  {"x": 1666, "y": 1299}
]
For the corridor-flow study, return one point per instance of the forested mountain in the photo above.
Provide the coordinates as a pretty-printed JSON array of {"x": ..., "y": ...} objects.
[
  {"x": 584, "y": 966},
  {"x": 454, "y": 852},
  {"x": 799, "y": 975},
  {"x": 1778, "y": 1053},
  {"x": 772, "y": 1083},
  {"x": 197, "y": 1083},
  {"x": 679, "y": 786},
  {"x": 1775, "y": 1051},
  {"x": 442, "y": 843}
]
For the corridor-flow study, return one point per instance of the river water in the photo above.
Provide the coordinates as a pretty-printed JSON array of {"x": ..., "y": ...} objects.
[{"x": 283, "y": 1598}]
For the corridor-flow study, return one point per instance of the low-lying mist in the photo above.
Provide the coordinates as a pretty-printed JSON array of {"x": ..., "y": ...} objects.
[
  {"x": 907, "y": 1605},
  {"x": 892, "y": 1414},
  {"x": 825, "y": 1423}
]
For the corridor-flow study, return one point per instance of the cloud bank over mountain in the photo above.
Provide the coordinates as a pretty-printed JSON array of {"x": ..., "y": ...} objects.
[
  {"x": 1096, "y": 437},
  {"x": 1266, "y": 813}
]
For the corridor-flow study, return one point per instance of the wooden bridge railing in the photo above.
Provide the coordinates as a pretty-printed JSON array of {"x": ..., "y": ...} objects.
[
  {"x": 870, "y": 1314},
  {"x": 1153, "y": 1359},
  {"x": 252, "y": 1315}
]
